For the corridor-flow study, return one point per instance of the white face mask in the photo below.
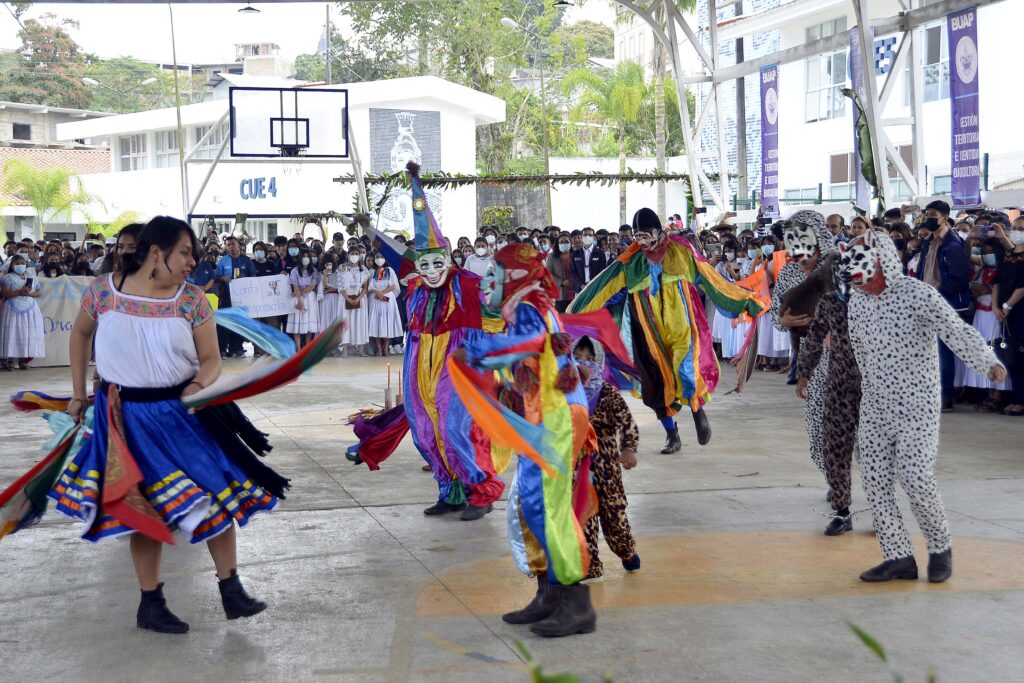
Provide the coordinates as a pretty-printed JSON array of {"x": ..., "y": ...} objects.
[
  {"x": 588, "y": 241},
  {"x": 481, "y": 251},
  {"x": 730, "y": 256},
  {"x": 491, "y": 239},
  {"x": 379, "y": 261},
  {"x": 353, "y": 258},
  {"x": 361, "y": 257},
  {"x": 1017, "y": 236},
  {"x": 305, "y": 260}
]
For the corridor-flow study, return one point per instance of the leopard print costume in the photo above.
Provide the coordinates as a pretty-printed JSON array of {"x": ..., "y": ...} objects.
[
  {"x": 894, "y": 332},
  {"x": 806, "y": 234},
  {"x": 842, "y": 391}
]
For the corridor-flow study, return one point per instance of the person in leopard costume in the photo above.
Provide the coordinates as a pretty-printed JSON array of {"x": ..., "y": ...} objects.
[
  {"x": 895, "y": 325},
  {"x": 617, "y": 439},
  {"x": 829, "y": 329},
  {"x": 808, "y": 242}
]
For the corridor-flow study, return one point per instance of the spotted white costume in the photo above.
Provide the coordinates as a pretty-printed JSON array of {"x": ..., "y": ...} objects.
[
  {"x": 805, "y": 234},
  {"x": 895, "y": 324}
]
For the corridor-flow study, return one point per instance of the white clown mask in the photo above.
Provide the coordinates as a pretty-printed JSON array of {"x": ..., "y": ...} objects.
[
  {"x": 433, "y": 267},
  {"x": 801, "y": 242}
]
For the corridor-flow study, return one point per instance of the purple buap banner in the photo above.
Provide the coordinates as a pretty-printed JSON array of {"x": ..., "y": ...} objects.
[
  {"x": 770, "y": 141},
  {"x": 862, "y": 197},
  {"x": 965, "y": 132}
]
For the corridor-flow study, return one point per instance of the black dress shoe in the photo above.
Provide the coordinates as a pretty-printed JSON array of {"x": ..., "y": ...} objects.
[
  {"x": 153, "y": 614},
  {"x": 474, "y": 512},
  {"x": 839, "y": 525},
  {"x": 903, "y": 568},
  {"x": 672, "y": 443},
  {"x": 441, "y": 507},
  {"x": 940, "y": 566},
  {"x": 544, "y": 602},
  {"x": 237, "y": 603},
  {"x": 700, "y": 421}
]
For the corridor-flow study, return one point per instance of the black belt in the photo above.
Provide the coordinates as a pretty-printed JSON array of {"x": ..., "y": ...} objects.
[{"x": 145, "y": 394}]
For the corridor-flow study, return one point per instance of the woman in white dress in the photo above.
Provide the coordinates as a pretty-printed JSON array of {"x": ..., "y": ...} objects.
[
  {"x": 21, "y": 323},
  {"x": 385, "y": 320},
  {"x": 352, "y": 285},
  {"x": 985, "y": 322},
  {"x": 330, "y": 305},
  {"x": 722, "y": 327},
  {"x": 305, "y": 320}
]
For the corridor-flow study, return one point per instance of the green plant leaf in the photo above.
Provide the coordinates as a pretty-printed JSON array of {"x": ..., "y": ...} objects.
[{"x": 871, "y": 643}]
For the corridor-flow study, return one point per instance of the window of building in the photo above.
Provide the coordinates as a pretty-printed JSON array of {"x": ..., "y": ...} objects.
[
  {"x": 943, "y": 184},
  {"x": 808, "y": 195},
  {"x": 936, "y": 63},
  {"x": 22, "y": 131},
  {"x": 166, "y": 149},
  {"x": 132, "y": 150},
  {"x": 209, "y": 148},
  {"x": 842, "y": 177},
  {"x": 906, "y": 153},
  {"x": 826, "y": 75}
]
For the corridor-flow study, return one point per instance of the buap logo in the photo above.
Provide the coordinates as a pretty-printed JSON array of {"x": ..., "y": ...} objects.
[{"x": 966, "y": 59}]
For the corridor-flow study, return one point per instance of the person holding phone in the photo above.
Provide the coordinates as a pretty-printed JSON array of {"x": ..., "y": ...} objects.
[{"x": 21, "y": 323}]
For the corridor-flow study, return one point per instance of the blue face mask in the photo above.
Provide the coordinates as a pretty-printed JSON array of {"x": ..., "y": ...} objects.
[
  {"x": 988, "y": 259},
  {"x": 260, "y": 254},
  {"x": 19, "y": 268},
  {"x": 293, "y": 251},
  {"x": 767, "y": 249}
]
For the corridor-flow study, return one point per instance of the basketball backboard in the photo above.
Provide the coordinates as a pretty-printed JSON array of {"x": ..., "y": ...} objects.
[{"x": 289, "y": 122}]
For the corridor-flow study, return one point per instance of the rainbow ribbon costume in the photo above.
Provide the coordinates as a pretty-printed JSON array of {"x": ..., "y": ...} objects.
[
  {"x": 652, "y": 292},
  {"x": 542, "y": 415},
  {"x": 445, "y": 311}
]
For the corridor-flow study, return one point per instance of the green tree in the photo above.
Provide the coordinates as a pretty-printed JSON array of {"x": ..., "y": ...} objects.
[
  {"x": 54, "y": 193},
  {"x": 614, "y": 95},
  {"x": 352, "y": 60},
  {"x": 120, "y": 86},
  {"x": 50, "y": 68},
  {"x": 583, "y": 40}
]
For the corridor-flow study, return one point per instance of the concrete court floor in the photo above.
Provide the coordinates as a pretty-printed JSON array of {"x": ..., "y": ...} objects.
[{"x": 738, "y": 583}]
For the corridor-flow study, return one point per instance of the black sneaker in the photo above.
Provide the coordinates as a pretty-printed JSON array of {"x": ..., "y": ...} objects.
[
  {"x": 940, "y": 566},
  {"x": 902, "y": 568}
]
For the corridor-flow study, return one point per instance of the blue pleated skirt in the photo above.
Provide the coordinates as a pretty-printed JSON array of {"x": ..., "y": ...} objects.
[{"x": 186, "y": 476}]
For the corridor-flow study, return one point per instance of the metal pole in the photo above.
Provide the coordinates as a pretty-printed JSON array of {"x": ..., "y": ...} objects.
[
  {"x": 684, "y": 114},
  {"x": 327, "y": 47},
  {"x": 716, "y": 90},
  {"x": 741, "y": 120},
  {"x": 860, "y": 7},
  {"x": 544, "y": 130},
  {"x": 177, "y": 107}
]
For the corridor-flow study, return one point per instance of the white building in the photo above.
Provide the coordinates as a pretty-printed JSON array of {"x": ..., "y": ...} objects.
[
  {"x": 426, "y": 119},
  {"x": 815, "y": 120}
]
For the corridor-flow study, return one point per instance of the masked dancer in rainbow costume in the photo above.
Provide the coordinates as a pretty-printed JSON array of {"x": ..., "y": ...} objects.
[
  {"x": 651, "y": 289},
  {"x": 445, "y": 310},
  {"x": 543, "y": 416}
]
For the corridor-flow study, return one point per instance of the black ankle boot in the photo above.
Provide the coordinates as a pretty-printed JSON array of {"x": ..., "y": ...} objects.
[
  {"x": 474, "y": 512},
  {"x": 700, "y": 421},
  {"x": 940, "y": 566},
  {"x": 672, "y": 443},
  {"x": 840, "y": 524},
  {"x": 153, "y": 614},
  {"x": 903, "y": 568},
  {"x": 441, "y": 507},
  {"x": 541, "y": 607},
  {"x": 238, "y": 603},
  {"x": 575, "y": 614}
]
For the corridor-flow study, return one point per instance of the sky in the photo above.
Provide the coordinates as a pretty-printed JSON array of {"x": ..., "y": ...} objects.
[{"x": 207, "y": 33}]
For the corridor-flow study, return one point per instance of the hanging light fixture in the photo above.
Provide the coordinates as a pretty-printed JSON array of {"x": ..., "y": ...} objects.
[{"x": 248, "y": 9}]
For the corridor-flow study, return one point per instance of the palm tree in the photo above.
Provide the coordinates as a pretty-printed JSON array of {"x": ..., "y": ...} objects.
[
  {"x": 614, "y": 95},
  {"x": 54, "y": 193}
]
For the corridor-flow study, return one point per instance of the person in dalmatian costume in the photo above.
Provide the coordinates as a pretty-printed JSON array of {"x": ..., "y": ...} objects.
[
  {"x": 895, "y": 325},
  {"x": 808, "y": 242}
]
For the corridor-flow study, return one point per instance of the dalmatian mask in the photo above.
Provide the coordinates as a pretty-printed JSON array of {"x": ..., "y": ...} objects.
[
  {"x": 801, "y": 242},
  {"x": 433, "y": 267},
  {"x": 860, "y": 265}
]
